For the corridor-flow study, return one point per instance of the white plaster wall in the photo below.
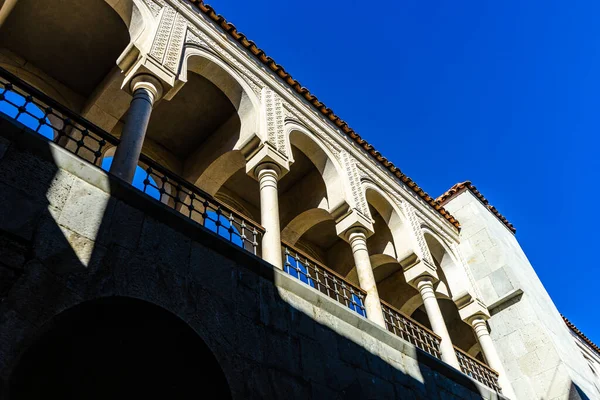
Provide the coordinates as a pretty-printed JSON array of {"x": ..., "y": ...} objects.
[{"x": 536, "y": 347}]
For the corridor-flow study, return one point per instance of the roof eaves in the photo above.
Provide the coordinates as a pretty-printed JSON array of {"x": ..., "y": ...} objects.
[
  {"x": 467, "y": 185},
  {"x": 326, "y": 111},
  {"x": 581, "y": 335}
]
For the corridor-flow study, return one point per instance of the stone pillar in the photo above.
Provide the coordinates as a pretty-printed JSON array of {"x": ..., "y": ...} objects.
[
  {"x": 5, "y": 10},
  {"x": 491, "y": 355},
  {"x": 358, "y": 240},
  {"x": 425, "y": 286},
  {"x": 146, "y": 91},
  {"x": 268, "y": 177}
]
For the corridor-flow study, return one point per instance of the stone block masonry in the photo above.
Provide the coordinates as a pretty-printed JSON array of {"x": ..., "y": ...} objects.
[{"x": 70, "y": 235}]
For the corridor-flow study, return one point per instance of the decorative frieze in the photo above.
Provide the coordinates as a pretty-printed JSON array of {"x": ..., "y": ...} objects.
[
  {"x": 175, "y": 48},
  {"x": 161, "y": 39},
  {"x": 250, "y": 78},
  {"x": 155, "y": 6},
  {"x": 358, "y": 195},
  {"x": 275, "y": 119}
]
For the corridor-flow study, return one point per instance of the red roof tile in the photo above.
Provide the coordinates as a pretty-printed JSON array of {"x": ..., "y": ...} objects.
[
  {"x": 581, "y": 335},
  {"x": 467, "y": 185}
]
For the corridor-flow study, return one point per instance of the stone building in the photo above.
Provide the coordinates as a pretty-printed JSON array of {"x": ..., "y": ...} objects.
[{"x": 179, "y": 216}]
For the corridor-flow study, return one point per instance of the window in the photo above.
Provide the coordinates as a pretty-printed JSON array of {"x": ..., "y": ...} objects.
[
  {"x": 16, "y": 106},
  {"x": 139, "y": 179}
]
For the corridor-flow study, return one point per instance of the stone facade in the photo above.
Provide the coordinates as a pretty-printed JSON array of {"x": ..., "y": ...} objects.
[
  {"x": 173, "y": 89},
  {"x": 537, "y": 348},
  {"x": 70, "y": 234}
]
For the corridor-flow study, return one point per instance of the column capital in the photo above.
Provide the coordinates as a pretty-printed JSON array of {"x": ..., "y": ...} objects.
[
  {"x": 471, "y": 309},
  {"x": 148, "y": 83},
  {"x": 353, "y": 223},
  {"x": 417, "y": 272},
  {"x": 164, "y": 81},
  {"x": 266, "y": 156}
]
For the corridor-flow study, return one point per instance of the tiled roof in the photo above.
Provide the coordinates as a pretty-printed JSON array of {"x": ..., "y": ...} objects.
[
  {"x": 467, "y": 185},
  {"x": 581, "y": 335},
  {"x": 322, "y": 108}
]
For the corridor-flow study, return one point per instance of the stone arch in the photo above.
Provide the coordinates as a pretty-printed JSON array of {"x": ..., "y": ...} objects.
[
  {"x": 455, "y": 276},
  {"x": 219, "y": 171},
  {"x": 403, "y": 237},
  {"x": 141, "y": 23},
  {"x": 108, "y": 339},
  {"x": 222, "y": 153},
  {"x": 326, "y": 163},
  {"x": 412, "y": 304},
  {"x": 298, "y": 226},
  {"x": 209, "y": 65}
]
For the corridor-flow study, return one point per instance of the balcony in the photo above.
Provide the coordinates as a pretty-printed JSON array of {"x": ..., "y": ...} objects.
[{"x": 26, "y": 104}]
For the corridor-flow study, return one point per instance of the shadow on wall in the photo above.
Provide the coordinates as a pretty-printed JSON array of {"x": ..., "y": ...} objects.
[{"x": 118, "y": 302}]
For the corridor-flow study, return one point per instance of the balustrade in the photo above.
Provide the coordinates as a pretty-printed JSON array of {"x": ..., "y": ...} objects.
[
  {"x": 24, "y": 103},
  {"x": 410, "y": 330},
  {"x": 34, "y": 109},
  {"x": 477, "y": 370},
  {"x": 314, "y": 274}
]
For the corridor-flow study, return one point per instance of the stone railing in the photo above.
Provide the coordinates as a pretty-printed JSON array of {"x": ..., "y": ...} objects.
[
  {"x": 410, "y": 330},
  {"x": 314, "y": 274},
  {"x": 477, "y": 370},
  {"x": 34, "y": 109}
]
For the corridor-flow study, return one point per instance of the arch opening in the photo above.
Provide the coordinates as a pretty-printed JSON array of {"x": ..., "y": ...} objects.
[
  {"x": 117, "y": 348},
  {"x": 453, "y": 281},
  {"x": 73, "y": 42}
]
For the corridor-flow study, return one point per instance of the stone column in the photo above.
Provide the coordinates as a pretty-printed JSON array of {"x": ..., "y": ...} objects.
[
  {"x": 6, "y": 8},
  {"x": 425, "y": 286},
  {"x": 358, "y": 240},
  {"x": 146, "y": 91},
  {"x": 268, "y": 177},
  {"x": 491, "y": 355}
]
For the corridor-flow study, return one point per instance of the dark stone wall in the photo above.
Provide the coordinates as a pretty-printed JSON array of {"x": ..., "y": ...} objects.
[{"x": 71, "y": 237}]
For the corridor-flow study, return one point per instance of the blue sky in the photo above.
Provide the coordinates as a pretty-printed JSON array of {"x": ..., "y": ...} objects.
[{"x": 505, "y": 94}]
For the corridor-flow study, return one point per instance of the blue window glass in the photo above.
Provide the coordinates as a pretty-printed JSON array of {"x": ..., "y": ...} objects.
[
  {"x": 357, "y": 305},
  {"x": 221, "y": 225},
  {"x": 298, "y": 270},
  {"x": 138, "y": 179},
  {"x": 10, "y": 102}
]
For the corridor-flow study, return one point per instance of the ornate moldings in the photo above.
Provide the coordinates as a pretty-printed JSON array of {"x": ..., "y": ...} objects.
[
  {"x": 358, "y": 195},
  {"x": 175, "y": 47},
  {"x": 416, "y": 227},
  {"x": 161, "y": 40},
  {"x": 192, "y": 38},
  {"x": 331, "y": 144},
  {"x": 154, "y": 6},
  {"x": 275, "y": 119},
  {"x": 251, "y": 79}
]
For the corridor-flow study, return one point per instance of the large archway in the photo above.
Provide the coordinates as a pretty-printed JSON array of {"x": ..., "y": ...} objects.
[{"x": 117, "y": 348}]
